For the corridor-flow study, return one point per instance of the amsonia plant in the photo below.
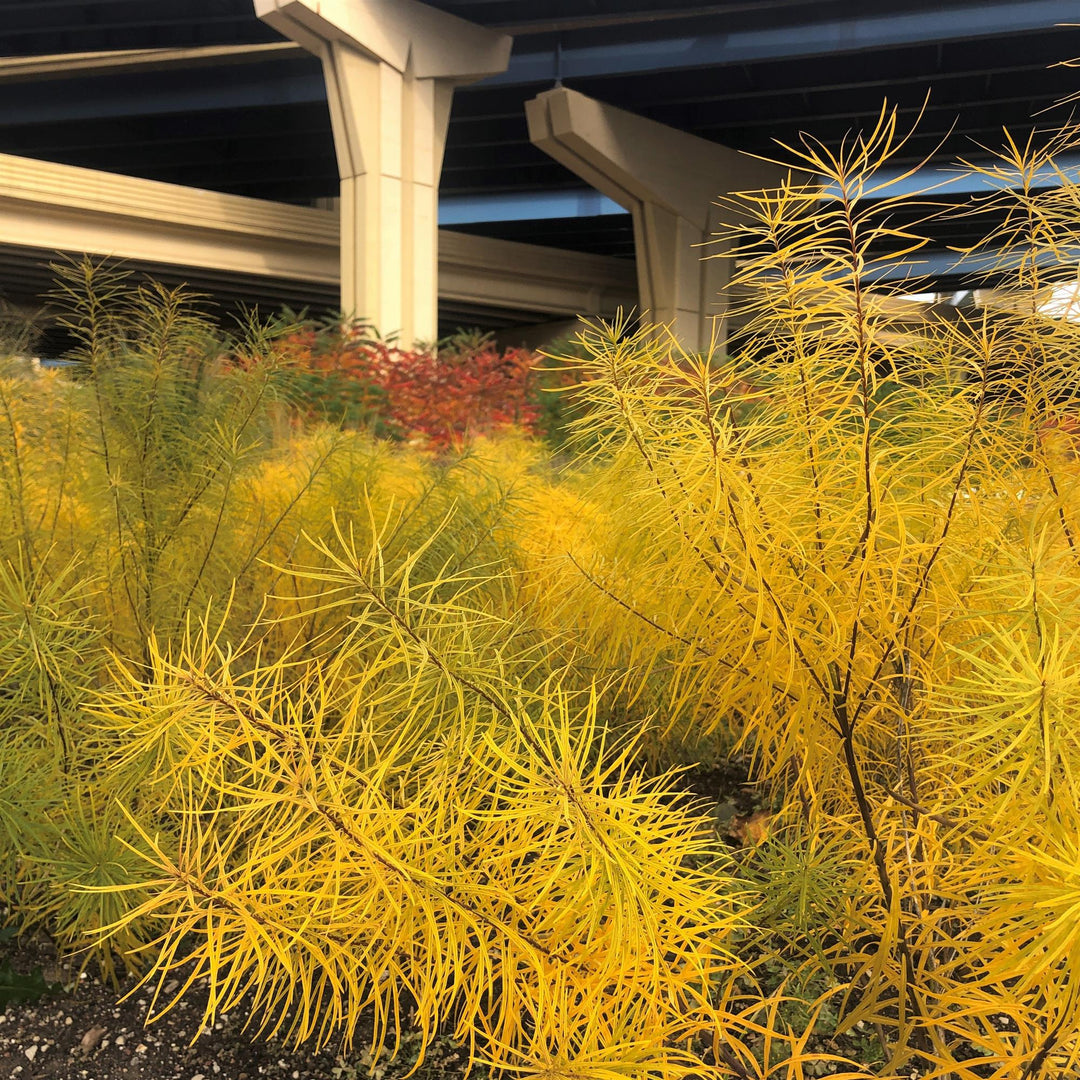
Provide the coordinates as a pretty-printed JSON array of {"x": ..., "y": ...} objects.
[
  {"x": 852, "y": 553},
  {"x": 415, "y": 823}
]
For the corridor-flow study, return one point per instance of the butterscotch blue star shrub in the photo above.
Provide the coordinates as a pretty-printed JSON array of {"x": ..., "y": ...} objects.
[
  {"x": 852, "y": 552},
  {"x": 361, "y": 739}
]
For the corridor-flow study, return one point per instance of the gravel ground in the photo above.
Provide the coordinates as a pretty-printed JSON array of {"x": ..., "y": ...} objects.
[{"x": 87, "y": 1034}]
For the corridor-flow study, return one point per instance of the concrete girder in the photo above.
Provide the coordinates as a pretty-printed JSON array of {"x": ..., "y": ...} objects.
[
  {"x": 46, "y": 207},
  {"x": 787, "y": 39},
  {"x": 668, "y": 180},
  {"x": 15, "y": 69},
  {"x": 391, "y": 67}
]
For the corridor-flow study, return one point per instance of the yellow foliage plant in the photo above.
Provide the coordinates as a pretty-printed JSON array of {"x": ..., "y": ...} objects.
[
  {"x": 409, "y": 824},
  {"x": 852, "y": 553},
  {"x": 161, "y": 470}
]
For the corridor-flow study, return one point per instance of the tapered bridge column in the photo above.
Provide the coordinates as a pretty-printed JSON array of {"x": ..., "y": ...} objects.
[
  {"x": 391, "y": 67},
  {"x": 669, "y": 181}
]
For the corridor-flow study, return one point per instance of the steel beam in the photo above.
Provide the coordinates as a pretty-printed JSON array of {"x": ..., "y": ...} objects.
[
  {"x": 928, "y": 266},
  {"x": 525, "y": 206},
  {"x": 585, "y": 203},
  {"x": 784, "y": 41},
  {"x": 288, "y": 82}
]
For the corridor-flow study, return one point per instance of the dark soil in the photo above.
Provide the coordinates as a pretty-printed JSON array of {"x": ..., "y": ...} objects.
[
  {"x": 90, "y": 1031},
  {"x": 724, "y": 792},
  {"x": 80, "y": 1031}
]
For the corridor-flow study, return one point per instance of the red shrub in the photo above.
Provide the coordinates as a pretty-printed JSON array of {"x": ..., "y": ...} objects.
[{"x": 440, "y": 397}]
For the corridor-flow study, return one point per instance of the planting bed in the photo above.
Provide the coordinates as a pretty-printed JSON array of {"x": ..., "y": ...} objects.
[
  {"x": 87, "y": 1034},
  {"x": 347, "y": 697},
  {"x": 90, "y": 1032}
]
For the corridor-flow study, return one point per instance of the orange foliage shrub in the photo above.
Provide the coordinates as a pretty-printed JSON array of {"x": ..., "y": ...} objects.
[{"x": 438, "y": 396}]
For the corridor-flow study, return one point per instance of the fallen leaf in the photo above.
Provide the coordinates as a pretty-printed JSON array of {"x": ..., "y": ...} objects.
[
  {"x": 752, "y": 829},
  {"x": 91, "y": 1039}
]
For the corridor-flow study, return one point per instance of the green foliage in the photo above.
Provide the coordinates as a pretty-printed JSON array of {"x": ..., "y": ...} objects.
[
  {"x": 800, "y": 885},
  {"x": 48, "y": 649},
  {"x": 174, "y": 422},
  {"x": 18, "y": 986}
]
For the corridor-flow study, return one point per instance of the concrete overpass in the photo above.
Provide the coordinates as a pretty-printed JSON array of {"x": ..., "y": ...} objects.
[
  {"x": 234, "y": 246},
  {"x": 399, "y": 108}
]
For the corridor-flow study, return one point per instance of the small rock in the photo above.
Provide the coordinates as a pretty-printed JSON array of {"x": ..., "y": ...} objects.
[
  {"x": 198, "y": 1076},
  {"x": 31, "y": 1052},
  {"x": 141, "y": 1048},
  {"x": 120, "y": 1040}
]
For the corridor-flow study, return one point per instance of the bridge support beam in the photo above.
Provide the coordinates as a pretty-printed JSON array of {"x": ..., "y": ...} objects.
[
  {"x": 391, "y": 67},
  {"x": 668, "y": 180}
]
